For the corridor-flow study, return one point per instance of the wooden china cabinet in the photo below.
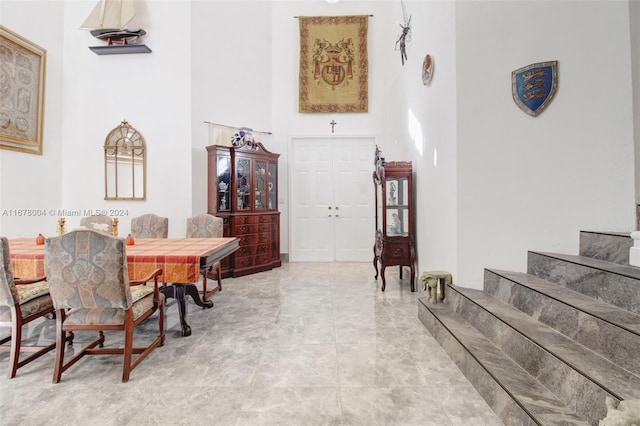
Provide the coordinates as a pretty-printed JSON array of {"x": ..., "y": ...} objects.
[
  {"x": 395, "y": 235},
  {"x": 243, "y": 191}
]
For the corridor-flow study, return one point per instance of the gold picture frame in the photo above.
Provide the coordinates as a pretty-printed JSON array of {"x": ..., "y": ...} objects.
[{"x": 22, "y": 80}]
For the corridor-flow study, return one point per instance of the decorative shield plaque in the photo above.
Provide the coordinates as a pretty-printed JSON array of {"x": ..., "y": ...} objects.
[{"x": 534, "y": 86}]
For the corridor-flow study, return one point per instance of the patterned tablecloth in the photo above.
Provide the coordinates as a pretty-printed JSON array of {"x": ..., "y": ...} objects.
[{"x": 179, "y": 258}]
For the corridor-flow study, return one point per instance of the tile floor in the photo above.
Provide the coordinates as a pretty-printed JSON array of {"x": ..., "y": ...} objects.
[{"x": 304, "y": 344}]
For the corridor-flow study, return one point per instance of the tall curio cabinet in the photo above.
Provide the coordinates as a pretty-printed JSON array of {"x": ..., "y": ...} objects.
[
  {"x": 395, "y": 235},
  {"x": 243, "y": 191}
]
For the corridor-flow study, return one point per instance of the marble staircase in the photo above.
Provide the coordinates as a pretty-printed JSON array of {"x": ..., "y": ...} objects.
[{"x": 546, "y": 347}]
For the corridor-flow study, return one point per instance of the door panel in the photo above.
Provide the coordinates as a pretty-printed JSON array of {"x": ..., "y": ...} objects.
[
  {"x": 330, "y": 173},
  {"x": 312, "y": 197}
]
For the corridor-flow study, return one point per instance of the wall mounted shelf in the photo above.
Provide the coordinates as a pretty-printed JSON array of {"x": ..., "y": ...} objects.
[{"x": 120, "y": 49}]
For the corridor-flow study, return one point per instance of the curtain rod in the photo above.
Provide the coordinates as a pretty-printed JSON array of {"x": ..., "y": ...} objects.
[
  {"x": 296, "y": 17},
  {"x": 237, "y": 128}
]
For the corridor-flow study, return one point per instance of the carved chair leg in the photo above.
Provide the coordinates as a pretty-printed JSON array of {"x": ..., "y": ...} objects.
[
  {"x": 128, "y": 349},
  {"x": 14, "y": 355},
  {"x": 161, "y": 321},
  {"x": 60, "y": 340}
]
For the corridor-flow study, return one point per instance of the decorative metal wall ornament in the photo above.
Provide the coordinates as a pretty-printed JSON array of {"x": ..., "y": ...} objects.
[
  {"x": 534, "y": 86},
  {"x": 427, "y": 70},
  {"x": 405, "y": 35}
]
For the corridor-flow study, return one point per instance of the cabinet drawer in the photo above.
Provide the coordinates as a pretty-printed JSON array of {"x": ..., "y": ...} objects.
[
  {"x": 247, "y": 261},
  {"x": 252, "y": 228},
  {"x": 252, "y": 239},
  {"x": 252, "y": 250},
  {"x": 245, "y": 220},
  {"x": 397, "y": 251}
]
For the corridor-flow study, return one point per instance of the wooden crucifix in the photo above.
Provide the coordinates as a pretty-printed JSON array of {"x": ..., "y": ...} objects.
[{"x": 333, "y": 123}]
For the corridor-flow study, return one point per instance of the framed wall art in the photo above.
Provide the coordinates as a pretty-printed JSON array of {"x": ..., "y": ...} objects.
[
  {"x": 333, "y": 64},
  {"x": 22, "y": 79}
]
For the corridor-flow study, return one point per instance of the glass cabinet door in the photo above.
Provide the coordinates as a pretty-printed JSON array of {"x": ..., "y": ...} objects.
[
  {"x": 397, "y": 207},
  {"x": 243, "y": 184},
  {"x": 223, "y": 170},
  {"x": 271, "y": 186},
  {"x": 261, "y": 185},
  {"x": 379, "y": 211}
]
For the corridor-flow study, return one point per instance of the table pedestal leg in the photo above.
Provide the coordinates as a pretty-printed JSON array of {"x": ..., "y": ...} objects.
[
  {"x": 192, "y": 291},
  {"x": 176, "y": 291}
]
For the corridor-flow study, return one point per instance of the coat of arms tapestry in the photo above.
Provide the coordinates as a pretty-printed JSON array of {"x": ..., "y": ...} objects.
[{"x": 333, "y": 64}]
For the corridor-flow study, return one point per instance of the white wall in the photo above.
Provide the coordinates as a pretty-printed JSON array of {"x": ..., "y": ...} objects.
[
  {"x": 91, "y": 97},
  {"x": 231, "y": 76},
  {"x": 529, "y": 183},
  {"x": 420, "y": 125},
  {"x": 29, "y": 181},
  {"x": 504, "y": 182},
  {"x": 634, "y": 24},
  {"x": 151, "y": 91}
]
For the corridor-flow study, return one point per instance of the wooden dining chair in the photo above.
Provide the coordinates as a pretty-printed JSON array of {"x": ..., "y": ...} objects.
[
  {"x": 207, "y": 226},
  {"x": 90, "y": 288},
  {"x": 21, "y": 302},
  {"x": 149, "y": 226}
]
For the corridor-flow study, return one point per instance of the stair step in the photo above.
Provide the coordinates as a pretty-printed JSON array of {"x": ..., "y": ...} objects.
[
  {"x": 606, "y": 329},
  {"x": 619, "y": 382},
  {"x": 516, "y": 396},
  {"x": 609, "y": 246},
  {"x": 618, "y": 285},
  {"x": 574, "y": 373}
]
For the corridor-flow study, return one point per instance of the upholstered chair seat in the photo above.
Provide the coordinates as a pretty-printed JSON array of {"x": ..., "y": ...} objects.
[
  {"x": 207, "y": 226},
  {"x": 32, "y": 299},
  {"x": 90, "y": 288},
  {"x": 142, "y": 301}
]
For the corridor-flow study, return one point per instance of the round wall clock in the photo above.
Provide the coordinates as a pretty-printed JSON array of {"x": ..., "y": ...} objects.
[{"x": 427, "y": 70}]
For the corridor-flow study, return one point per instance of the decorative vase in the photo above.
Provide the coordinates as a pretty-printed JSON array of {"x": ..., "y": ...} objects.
[
  {"x": 40, "y": 240},
  {"x": 129, "y": 240}
]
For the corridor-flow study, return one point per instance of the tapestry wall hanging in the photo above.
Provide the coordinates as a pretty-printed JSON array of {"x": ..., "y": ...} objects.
[
  {"x": 333, "y": 64},
  {"x": 22, "y": 73}
]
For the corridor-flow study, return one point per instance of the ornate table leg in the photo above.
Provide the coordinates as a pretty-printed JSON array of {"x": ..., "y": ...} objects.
[
  {"x": 176, "y": 291},
  {"x": 192, "y": 290}
]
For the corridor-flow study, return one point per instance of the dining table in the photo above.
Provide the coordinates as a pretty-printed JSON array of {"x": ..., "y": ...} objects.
[{"x": 182, "y": 260}]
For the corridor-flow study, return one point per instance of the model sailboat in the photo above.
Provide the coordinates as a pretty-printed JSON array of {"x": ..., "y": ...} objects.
[{"x": 108, "y": 22}]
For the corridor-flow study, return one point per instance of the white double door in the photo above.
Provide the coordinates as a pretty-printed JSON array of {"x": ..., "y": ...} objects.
[{"x": 332, "y": 199}]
